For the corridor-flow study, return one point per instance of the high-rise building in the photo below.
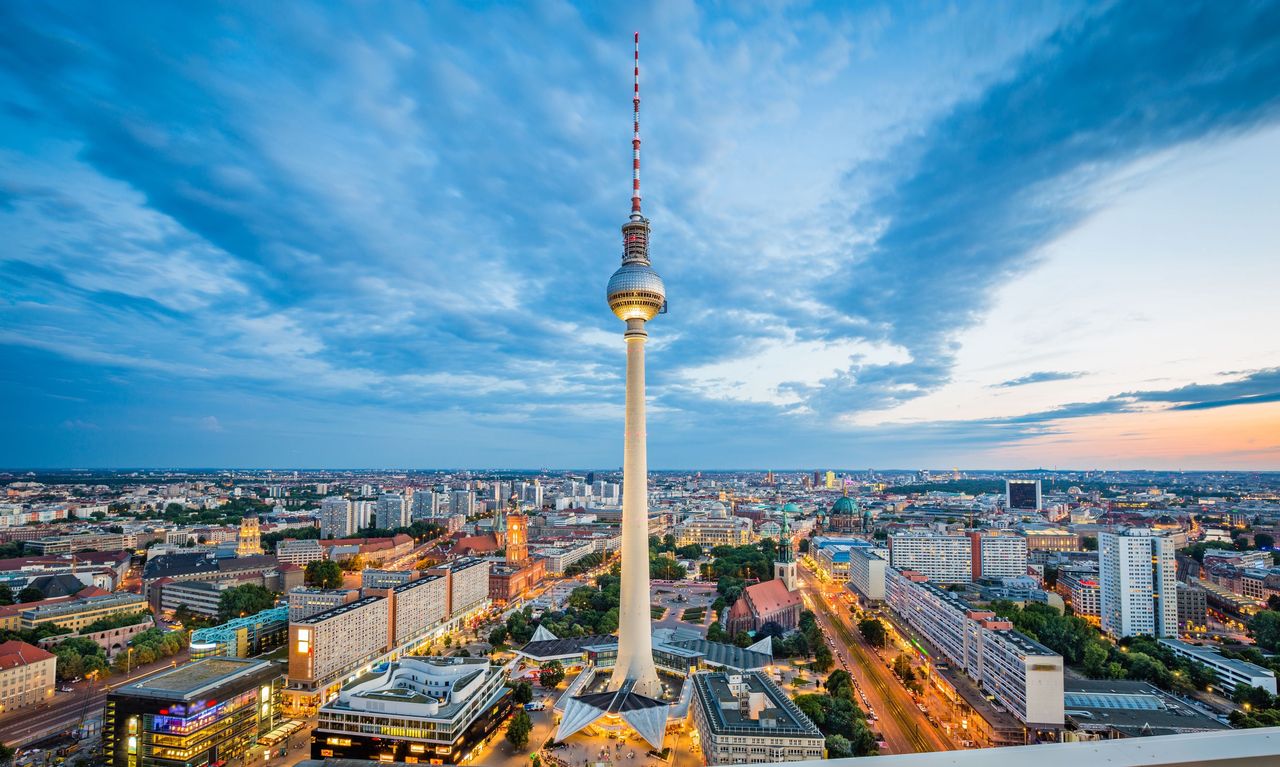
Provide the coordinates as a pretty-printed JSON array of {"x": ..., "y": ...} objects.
[
  {"x": 462, "y": 502},
  {"x": 1138, "y": 584},
  {"x": 337, "y": 517},
  {"x": 424, "y": 505},
  {"x": 1023, "y": 494},
  {"x": 636, "y": 295},
  {"x": 831, "y": 479},
  {"x": 391, "y": 512},
  {"x": 998, "y": 555},
  {"x": 941, "y": 558}
]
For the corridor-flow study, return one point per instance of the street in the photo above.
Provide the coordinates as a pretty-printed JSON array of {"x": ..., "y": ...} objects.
[{"x": 904, "y": 728}]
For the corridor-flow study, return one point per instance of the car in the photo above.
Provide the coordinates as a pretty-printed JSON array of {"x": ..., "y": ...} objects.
[{"x": 64, "y": 688}]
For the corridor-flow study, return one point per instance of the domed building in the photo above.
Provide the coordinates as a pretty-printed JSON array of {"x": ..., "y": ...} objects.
[{"x": 847, "y": 517}]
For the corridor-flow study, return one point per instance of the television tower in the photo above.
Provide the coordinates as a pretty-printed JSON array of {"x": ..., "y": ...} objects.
[{"x": 636, "y": 294}]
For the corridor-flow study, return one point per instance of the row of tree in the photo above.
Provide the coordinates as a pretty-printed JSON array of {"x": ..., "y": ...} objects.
[{"x": 839, "y": 718}]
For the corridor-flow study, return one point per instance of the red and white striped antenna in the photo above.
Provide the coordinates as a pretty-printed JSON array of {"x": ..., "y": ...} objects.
[{"x": 635, "y": 140}]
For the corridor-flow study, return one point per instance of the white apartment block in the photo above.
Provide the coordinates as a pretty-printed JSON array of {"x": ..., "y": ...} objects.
[
  {"x": 940, "y": 558},
  {"x": 999, "y": 555},
  {"x": 1023, "y": 676},
  {"x": 1137, "y": 584},
  {"x": 420, "y": 607},
  {"x": 337, "y": 517},
  {"x": 866, "y": 574}
]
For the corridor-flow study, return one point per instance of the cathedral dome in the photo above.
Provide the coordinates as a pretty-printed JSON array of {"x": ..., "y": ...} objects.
[
  {"x": 791, "y": 508},
  {"x": 844, "y": 505}
]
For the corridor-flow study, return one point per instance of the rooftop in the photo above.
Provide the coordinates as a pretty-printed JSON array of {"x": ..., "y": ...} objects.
[
  {"x": 723, "y": 698},
  {"x": 339, "y": 610},
  {"x": 1132, "y": 708},
  {"x": 191, "y": 680}
]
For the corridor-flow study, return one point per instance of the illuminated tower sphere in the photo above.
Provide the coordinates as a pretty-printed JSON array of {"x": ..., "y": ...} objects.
[{"x": 636, "y": 295}]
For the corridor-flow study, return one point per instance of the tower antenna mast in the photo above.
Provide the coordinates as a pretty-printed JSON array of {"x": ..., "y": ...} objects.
[{"x": 635, "y": 139}]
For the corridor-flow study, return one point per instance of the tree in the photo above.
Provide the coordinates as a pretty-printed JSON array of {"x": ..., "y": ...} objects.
[
  {"x": 323, "y": 574},
  {"x": 840, "y": 684},
  {"x": 6, "y": 594},
  {"x": 822, "y": 658},
  {"x": 1089, "y": 543},
  {"x": 873, "y": 631},
  {"x": 243, "y": 600},
  {"x": 498, "y": 636},
  {"x": 522, "y": 693},
  {"x": 30, "y": 594},
  {"x": 552, "y": 674},
  {"x": 715, "y": 633},
  {"x": 518, "y": 730},
  {"x": 839, "y": 747},
  {"x": 1265, "y": 627},
  {"x": 1264, "y": 540},
  {"x": 6, "y": 754}
]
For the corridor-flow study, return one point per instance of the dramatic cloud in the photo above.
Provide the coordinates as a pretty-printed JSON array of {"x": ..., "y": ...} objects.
[{"x": 379, "y": 235}]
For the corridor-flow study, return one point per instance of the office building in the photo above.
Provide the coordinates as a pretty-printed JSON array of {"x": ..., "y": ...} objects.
[
  {"x": 1081, "y": 590},
  {"x": 391, "y": 512},
  {"x": 415, "y": 710},
  {"x": 211, "y": 711},
  {"x": 243, "y": 637},
  {"x": 1023, "y": 494},
  {"x": 743, "y": 718},
  {"x": 26, "y": 675},
  {"x": 1051, "y": 539},
  {"x": 1022, "y": 675},
  {"x": 1137, "y": 577},
  {"x": 200, "y": 597},
  {"x": 716, "y": 528},
  {"x": 337, "y": 517}
]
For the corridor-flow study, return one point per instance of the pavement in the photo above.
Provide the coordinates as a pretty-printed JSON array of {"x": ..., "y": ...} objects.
[{"x": 903, "y": 726}]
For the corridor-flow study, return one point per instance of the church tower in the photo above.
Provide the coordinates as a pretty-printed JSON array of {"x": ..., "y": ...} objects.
[
  {"x": 517, "y": 534},
  {"x": 784, "y": 569}
]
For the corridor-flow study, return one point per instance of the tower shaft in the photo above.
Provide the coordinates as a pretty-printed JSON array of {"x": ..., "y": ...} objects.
[{"x": 635, "y": 640}]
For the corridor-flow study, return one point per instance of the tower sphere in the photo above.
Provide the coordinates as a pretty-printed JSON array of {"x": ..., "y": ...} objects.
[{"x": 636, "y": 292}]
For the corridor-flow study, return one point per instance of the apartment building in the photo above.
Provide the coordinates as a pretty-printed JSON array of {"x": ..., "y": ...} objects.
[
  {"x": 1082, "y": 592},
  {"x": 1137, "y": 577},
  {"x": 996, "y": 555},
  {"x": 26, "y": 675},
  {"x": 337, "y": 517},
  {"x": 1022, "y": 675},
  {"x": 305, "y": 602},
  {"x": 418, "y": 607},
  {"x": 468, "y": 584},
  {"x": 866, "y": 574},
  {"x": 1193, "y": 607},
  {"x": 940, "y": 558},
  {"x": 326, "y": 647}
]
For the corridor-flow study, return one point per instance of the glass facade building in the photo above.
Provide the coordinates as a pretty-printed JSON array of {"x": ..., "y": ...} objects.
[{"x": 203, "y": 713}]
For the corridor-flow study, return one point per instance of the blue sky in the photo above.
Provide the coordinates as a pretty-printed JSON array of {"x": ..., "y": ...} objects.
[{"x": 893, "y": 235}]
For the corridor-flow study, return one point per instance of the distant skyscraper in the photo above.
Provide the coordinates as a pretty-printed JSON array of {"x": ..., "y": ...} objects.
[
  {"x": 337, "y": 517},
  {"x": 391, "y": 511},
  {"x": 831, "y": 479},
  {"x": 1137, "y": 584},
  {"x": 462, "y": 502},
  {"x": 1023, "y": 494}
]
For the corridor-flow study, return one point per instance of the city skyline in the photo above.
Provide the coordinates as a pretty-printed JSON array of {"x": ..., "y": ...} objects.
[{"x": 896, "y": 237}]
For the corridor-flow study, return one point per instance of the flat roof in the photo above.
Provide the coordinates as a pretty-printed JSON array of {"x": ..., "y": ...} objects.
[
  {"x": 339, "y": 610},
  {"x": 191, "y": 679},
  {"x": 720, "y": 703}
]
